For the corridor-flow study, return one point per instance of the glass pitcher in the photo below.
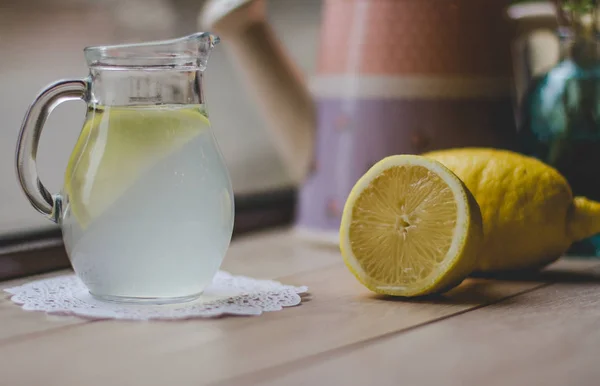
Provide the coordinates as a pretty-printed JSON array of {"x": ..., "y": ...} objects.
[{"x": 146, "y": 210}]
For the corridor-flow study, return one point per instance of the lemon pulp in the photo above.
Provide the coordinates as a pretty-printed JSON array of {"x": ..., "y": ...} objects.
[{"x": 409, "y": 227}]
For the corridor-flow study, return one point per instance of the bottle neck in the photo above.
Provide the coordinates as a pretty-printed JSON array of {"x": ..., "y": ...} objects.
[{"x": 135, "y": 87}]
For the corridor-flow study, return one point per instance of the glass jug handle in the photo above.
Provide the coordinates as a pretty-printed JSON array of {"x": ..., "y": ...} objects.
[{"x": 29, "y": 138}]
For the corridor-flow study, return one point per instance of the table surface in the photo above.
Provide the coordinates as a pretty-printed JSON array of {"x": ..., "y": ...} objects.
[{"x": 538, "y": 329}]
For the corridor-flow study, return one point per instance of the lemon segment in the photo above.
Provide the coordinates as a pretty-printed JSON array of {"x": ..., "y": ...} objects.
[
  {"x": 117, "y": 145},
  {"x": 410, "y": 228}
]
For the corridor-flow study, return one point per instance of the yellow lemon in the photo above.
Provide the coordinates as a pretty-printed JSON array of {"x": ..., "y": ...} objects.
[
  {"x": 529, "y": 214},
  {"x": 410, "y": 228},
  {"x": 116, "y": 145}
]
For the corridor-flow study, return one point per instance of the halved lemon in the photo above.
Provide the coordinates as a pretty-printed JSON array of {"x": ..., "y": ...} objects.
[{"x": 410, "y": 227}]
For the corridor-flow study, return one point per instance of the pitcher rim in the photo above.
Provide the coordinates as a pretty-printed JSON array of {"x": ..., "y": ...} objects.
[{"x": 187, "y": 51}]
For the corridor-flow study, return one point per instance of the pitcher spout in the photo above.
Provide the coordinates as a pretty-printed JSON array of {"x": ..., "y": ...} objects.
[{"x": 187, "y": 52}]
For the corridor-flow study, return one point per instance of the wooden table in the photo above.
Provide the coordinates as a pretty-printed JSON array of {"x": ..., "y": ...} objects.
[{"x": 536, "y": 330}]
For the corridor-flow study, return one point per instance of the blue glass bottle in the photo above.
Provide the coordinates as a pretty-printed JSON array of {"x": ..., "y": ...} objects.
[{"x": 560, "y": 121}]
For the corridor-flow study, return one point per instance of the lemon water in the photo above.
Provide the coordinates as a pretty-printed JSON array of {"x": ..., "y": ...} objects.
[{"x": 148, "y": 207}]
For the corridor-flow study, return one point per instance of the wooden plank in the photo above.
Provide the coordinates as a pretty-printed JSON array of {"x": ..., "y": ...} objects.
[
  {"x": 549, "y": 336},
  {"x": 340, "y": 314},
  {"x": 273, "y": 254}
]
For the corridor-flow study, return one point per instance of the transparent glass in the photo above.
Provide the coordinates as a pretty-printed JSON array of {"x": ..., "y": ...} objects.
[{"x": 147, "y": 209}]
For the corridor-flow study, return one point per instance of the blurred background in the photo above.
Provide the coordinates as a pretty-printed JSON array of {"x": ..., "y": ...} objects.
[
  {"x": 42, "y": 41},
  {"x": 353, "y": 81}
]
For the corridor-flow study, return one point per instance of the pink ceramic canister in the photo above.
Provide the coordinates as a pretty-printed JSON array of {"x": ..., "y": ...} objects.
[
  {"x": 402, "y": 76},
  {"x": 394, "y": 76}
]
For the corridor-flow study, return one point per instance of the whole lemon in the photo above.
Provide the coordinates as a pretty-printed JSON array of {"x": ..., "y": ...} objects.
[{"x": 530, "y": 217}]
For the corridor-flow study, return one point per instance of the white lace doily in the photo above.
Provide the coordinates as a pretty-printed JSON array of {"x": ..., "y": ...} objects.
[{"x": 227, "y": 295}]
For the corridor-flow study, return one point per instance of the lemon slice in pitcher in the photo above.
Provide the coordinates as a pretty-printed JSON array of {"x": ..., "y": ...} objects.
[
  {"x": 117, "y": 145},
  {"x": 410, "y": 227}
]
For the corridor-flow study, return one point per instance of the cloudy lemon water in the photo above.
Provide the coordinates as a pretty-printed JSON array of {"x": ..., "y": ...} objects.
[{"x": 147, "y": 195}]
